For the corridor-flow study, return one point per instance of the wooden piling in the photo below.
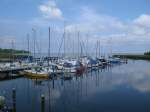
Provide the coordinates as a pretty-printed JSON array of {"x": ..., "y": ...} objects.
[
  {"x": 14, "y": 99},
  {"x": 42, "y": 103}
]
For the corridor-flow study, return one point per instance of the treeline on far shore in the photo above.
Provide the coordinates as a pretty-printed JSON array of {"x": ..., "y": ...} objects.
[
  {"x": 147, "y": 53},
  {"x": 8, "y": 54},
  {"x": 12, "y": 51},
  {"x": 144, "y": 56}
]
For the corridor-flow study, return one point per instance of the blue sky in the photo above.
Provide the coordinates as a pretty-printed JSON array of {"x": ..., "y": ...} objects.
[
  {"x": 125, "y": 22},
  {"x": 28, "y": 9}
]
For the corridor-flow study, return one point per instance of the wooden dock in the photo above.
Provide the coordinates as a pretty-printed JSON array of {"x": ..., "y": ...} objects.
[
  {"x": 7, "y": 73},
  {"x": 14, "y": 70}
]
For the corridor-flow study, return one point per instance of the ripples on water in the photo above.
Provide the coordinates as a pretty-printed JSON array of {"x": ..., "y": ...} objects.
[{"x": 121, "y": 88}]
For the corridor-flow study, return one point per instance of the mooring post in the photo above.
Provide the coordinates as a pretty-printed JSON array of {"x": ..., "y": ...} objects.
[
  {"x": 42, "y": 103},
  {"x": 53, "y": 79},
  {"x": 62, "y": 77},
  {"x": 2, "y": 102},
  {"x": 14, "y": 99},
  {"x": 53, "y": 82}
]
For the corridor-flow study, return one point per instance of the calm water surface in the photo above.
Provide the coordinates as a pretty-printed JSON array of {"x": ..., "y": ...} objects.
[{"x": 121, "y": 88}]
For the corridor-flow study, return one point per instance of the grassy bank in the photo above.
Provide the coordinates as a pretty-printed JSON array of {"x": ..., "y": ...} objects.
[
  {"x": 136, "y": 57},
  {"x": 4, "y": 57},
  {"x": 9, "y": 54}
]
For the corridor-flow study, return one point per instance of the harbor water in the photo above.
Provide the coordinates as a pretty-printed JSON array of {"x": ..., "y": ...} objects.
[{"x": 119, "y": 88}]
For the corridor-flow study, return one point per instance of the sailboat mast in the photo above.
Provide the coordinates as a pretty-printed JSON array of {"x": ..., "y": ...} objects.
[
  {"x": 96, "y": 48},
  {"x": 81, "y": 49},
  {"x": 78, "y": 43},
  {"x": 34, "y": 37},
  {"x": 73, "y": 45},
  {"x": 28, "y": 46},
  {"x": 87, "y": 44},
  {"x": 49, "y": 42},
  {"x": 64, "y": 36},
  {"x": 12, "y": 50},
  {"x": 111, "y": 47},
  {"x": 99, "y": 48}
]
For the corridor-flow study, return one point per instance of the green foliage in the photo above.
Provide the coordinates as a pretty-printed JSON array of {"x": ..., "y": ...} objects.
[
  {"x": 12, "y": 53},
  {"x": 12, "y": 50},
  {"x": 147, "y": 53},
  {"x": 5, "y": 55},
  {"x": 136, "y": 57}
]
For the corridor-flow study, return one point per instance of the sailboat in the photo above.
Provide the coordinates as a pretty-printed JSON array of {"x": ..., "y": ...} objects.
[
  {"x": 37, "y": 72},
  {"x": 68, "y": 65},
  {"x": 40, "y": 72}
]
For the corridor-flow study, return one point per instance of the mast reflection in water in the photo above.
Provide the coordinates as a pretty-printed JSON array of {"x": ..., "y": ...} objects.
[{"x": 121, "y": 88}]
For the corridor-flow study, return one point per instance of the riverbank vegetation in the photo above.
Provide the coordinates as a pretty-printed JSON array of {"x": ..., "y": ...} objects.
[
  {"x": 144, "y": 56},
  {"x": 10, "y": 54},
  {"x": 147, "y": 53}
]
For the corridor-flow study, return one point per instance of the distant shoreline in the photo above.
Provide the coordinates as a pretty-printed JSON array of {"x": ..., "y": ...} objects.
[
  {"x": 135, "y": 57},
  {"x": 8, "y": 55}
]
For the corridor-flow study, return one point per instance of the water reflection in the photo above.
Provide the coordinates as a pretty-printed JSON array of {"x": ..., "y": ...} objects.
[
  {"x": 136, "y": 75},
  {"x": 110, "y": 89}
]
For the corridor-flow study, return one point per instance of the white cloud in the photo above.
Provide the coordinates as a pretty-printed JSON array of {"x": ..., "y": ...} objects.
[
  {"x": 128, "y": 34},
  {"x": 90, "y": 20},
  {"x": 50, "y": 10},
  {"x": 98, "y": 26},
  {"x": 143, "y": 20},
  {"x": 140, "y": 27}
]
